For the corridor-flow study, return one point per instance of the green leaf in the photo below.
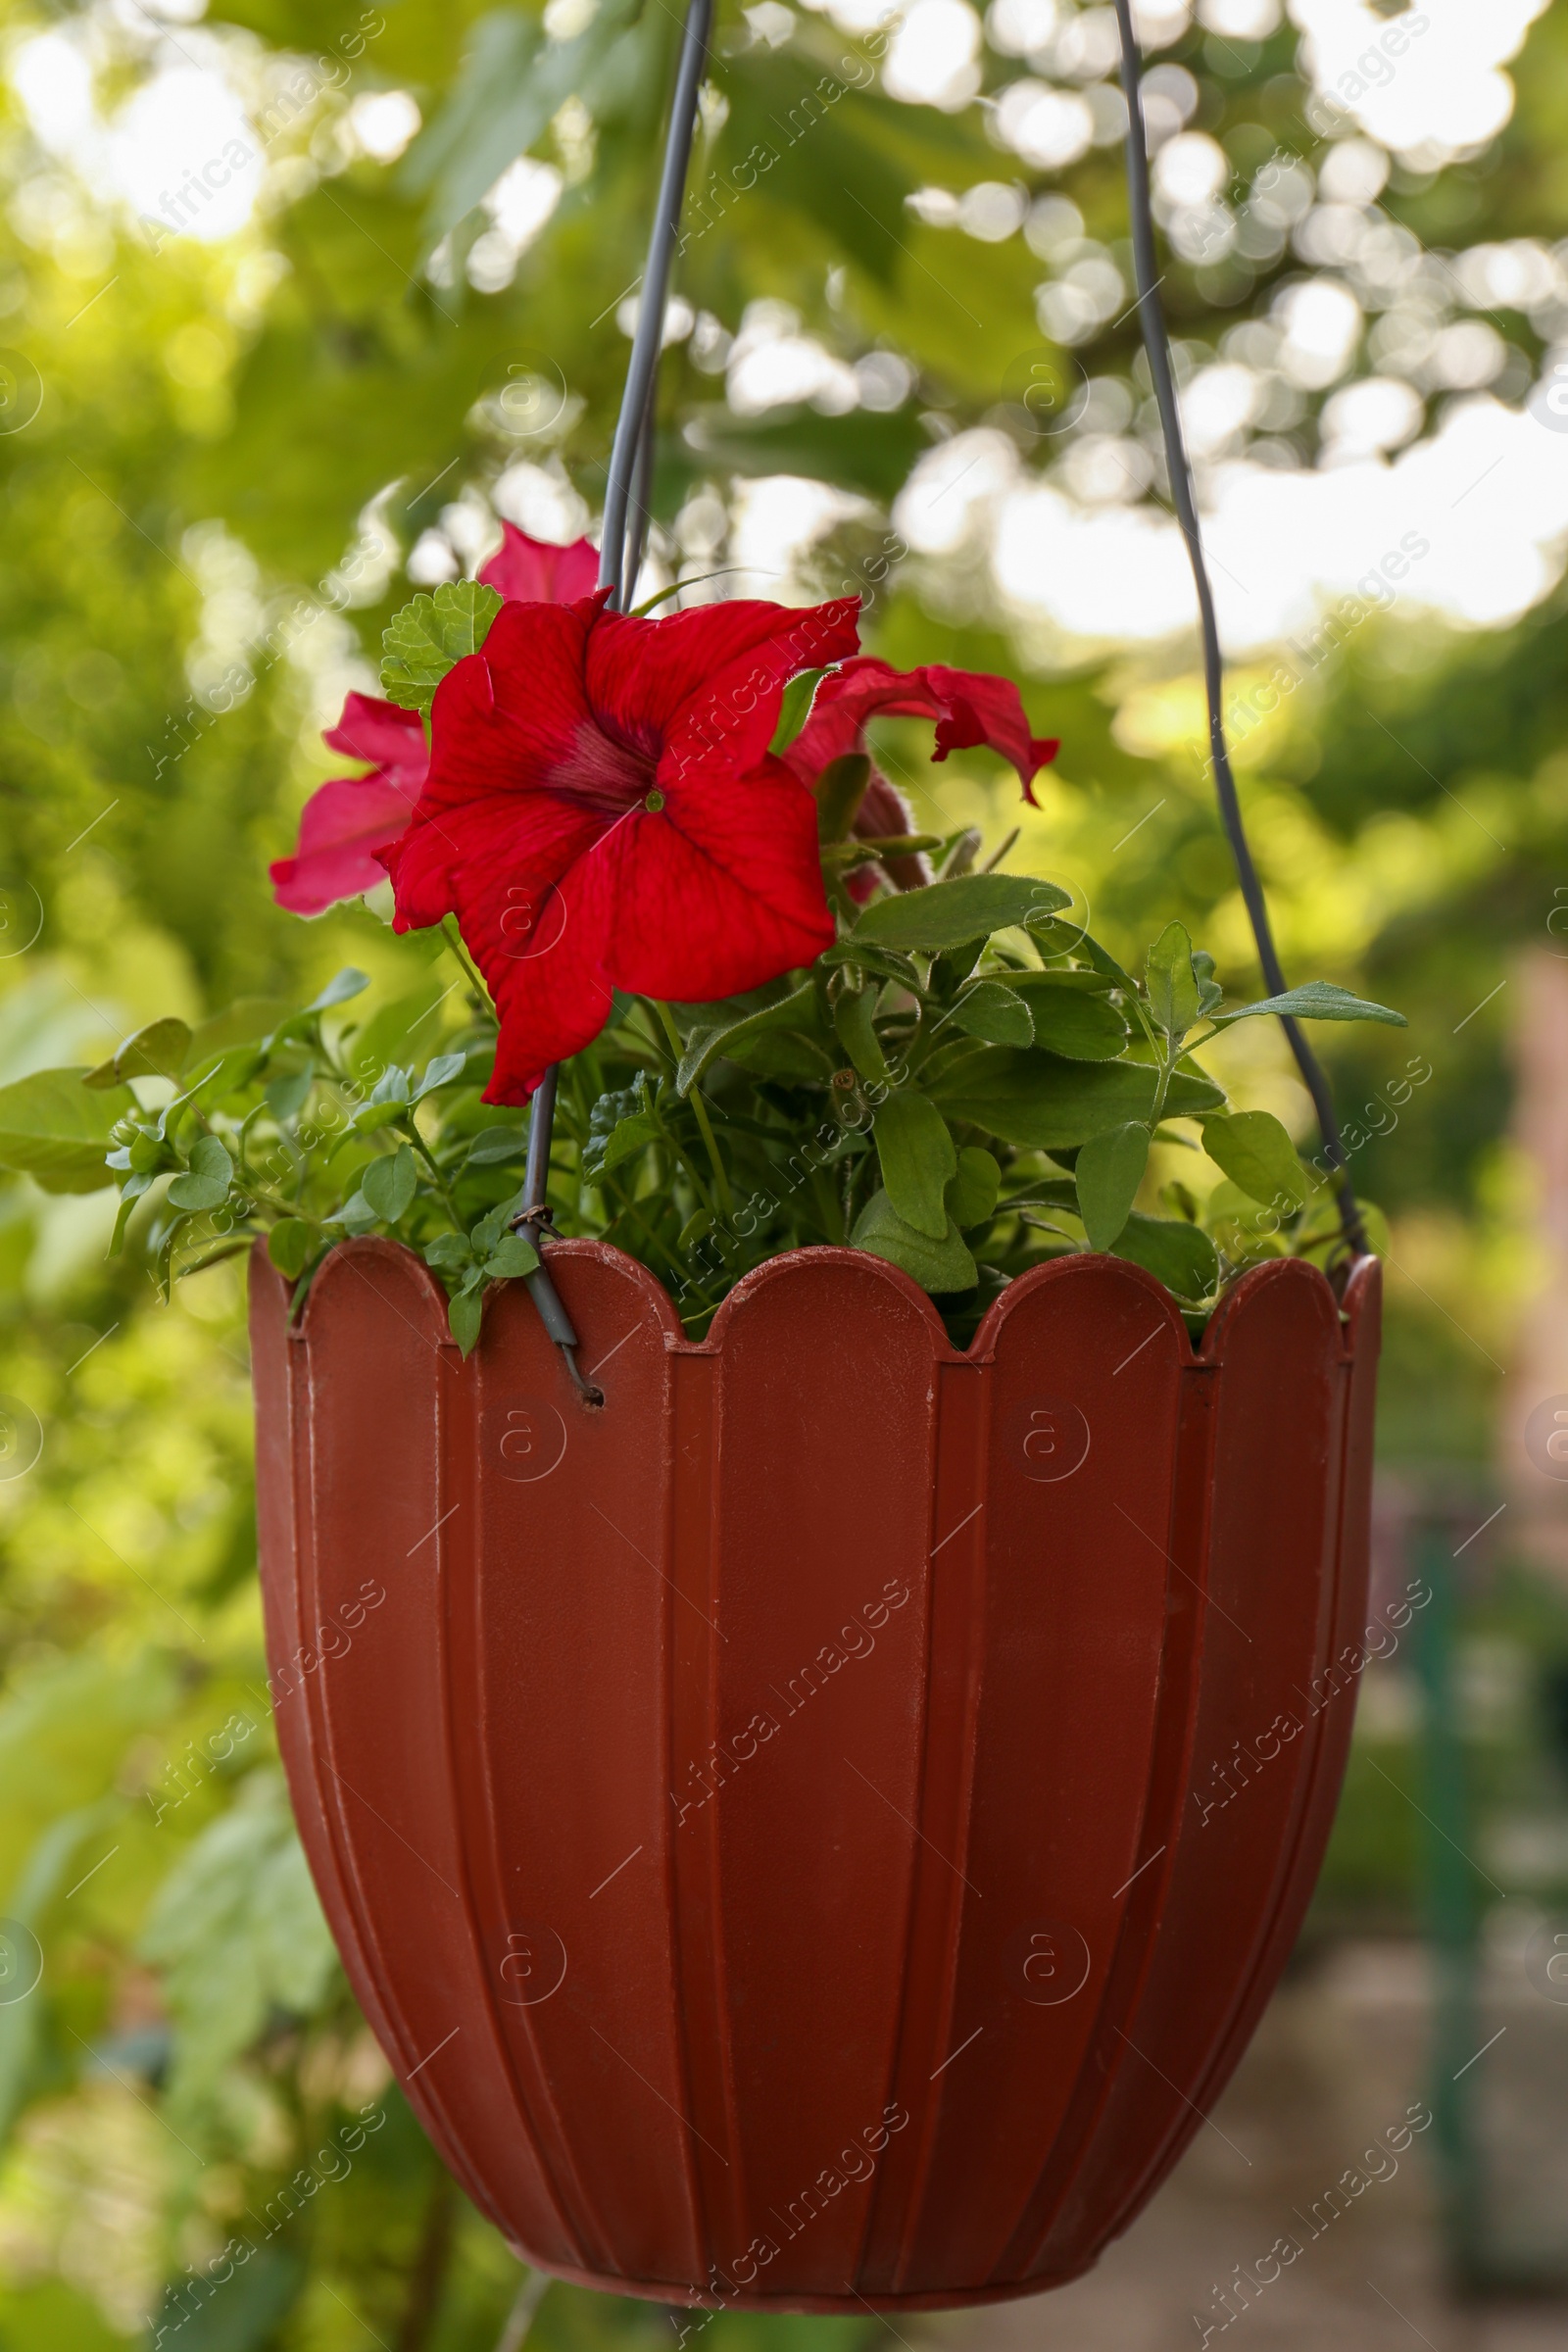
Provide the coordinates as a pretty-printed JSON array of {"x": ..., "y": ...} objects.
[
  {"x": 131, "y": 1191},
  {"x": 1210, "y": 991},
  {"x": 1176, "y": 1253},
  {"x": 884, "y": 961},
  {"x": 795, "y": 708},
  {"x": 972, "y": 1193},
  {"x": 949, "y": 915},
  {"x": 993, "y": 1010},
  {"x": 1173, "y": 990},
  {"x": 1044, "y": 1103},
  {"x": 287, "y": 1093},
  {"x": 798, "y": 1012},
  {"x": 699, "y": 1221},
  {"x": 785, "y": 1054},
  {"x": 1315, "y": 1000},
  {"x": 465, "y": 1314},
  {"x": 194, "y": 1194},
  {"x": 228, "y": 1075},
  {"x": 493, "y": 1144},
  {"x": 1108, "y": 1171},
  {"x": 487, "y": 1232},
  {"x": 159, "y": 1050},
  {"x": 1066, "y": 939},
  {"x": 376, "y": 1115},
  {"x": 1070, "y": 1019},
  {"x": 918, "y": 1158},
  {"x": 855, "y": 1020},
  {"x": 389, "y": 1183},
  {"x": 941, "y": 1266},
  {"x": 448, "y": 1250},
  {"x": 430, "y": 636},
  {"x": 1256, "y": 1152},
  {"x": 626, "y": 1140},
  {"x": 349, "y": 982},
  {"x": 355, "y": 1216},
  {"x": 211, "y": 1157},
  {"x": 246, "y": 1020},
  {"x": 57, "y": 1131},
  {"x": 512, "y": 1255},
  {"x": 440, "y": 1071},
  {"x": 288, "y": 1246}
]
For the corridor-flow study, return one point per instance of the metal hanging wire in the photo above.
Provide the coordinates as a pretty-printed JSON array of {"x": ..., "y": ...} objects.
[
  {"x": 625, "y": 530},
  {"x": 625, "y": 526},
  {"x": 1157, "y": 343}
]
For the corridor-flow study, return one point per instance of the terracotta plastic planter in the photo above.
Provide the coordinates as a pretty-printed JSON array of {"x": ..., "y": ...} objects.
[{"x": 819, "y": 1830}]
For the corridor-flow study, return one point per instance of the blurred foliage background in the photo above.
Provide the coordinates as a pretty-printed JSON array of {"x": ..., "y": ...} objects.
[{"x": 229, "y": 438}]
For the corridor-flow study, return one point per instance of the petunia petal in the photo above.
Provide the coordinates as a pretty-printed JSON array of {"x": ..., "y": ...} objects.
[
  {"x": 968, "y": 705},
  {"x": 502, "y": 722},
  {"x": 493, "y": 857},
  {"x": 341, "y": 826},
  {"x": 536, "y": 920},
  {"x": 537, "y": 571},
  {"x": 704, "y": 687},
  {"x": 718, "y": 891},
  {"x": 380, "y": 732}
]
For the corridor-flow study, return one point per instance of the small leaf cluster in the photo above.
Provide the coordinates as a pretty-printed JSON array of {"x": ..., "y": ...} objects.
[
  {"x": 964, "y": 1083},
  {"x": 306, "y": 1126}
]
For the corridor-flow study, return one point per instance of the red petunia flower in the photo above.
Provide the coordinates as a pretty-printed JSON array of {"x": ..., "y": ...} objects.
[
  {"x": 968, "y": 706},
  {"x": 602, "y": 812},
  {"x": 348, "y": 818},
  {"x": 535, "y": 571},
  {"x": 345, "y": 820}
]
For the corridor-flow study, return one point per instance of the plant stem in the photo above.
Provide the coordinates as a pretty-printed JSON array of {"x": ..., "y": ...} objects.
[
  {"x": 721, "y": 1191},
  {"x": 430, "y": 1158},
  {"x": 454, "y": 939}
]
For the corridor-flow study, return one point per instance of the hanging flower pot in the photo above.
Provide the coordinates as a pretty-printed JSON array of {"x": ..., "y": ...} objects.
[
  {"x": 814, "y": 1770},
  {"x": 819, "y": 1827}
]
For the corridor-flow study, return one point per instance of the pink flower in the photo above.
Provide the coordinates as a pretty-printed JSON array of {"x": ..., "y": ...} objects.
[
  {"x": 347, "y": 819},
  {"x": 533, "y": 572}
]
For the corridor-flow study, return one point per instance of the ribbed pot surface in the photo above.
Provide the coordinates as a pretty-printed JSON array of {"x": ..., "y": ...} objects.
[{"x": 822, "y": 1829}]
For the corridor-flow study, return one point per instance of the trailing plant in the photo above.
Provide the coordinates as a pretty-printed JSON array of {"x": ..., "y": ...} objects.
[{"x": 659, "y": 854}]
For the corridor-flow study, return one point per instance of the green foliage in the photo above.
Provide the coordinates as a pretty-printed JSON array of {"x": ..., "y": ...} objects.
[
  {"x": 1107, "y": 1173},
  {"x": 287, "y": 1136},
  {"x": 1316, "y": 1001},
  {"x": 55, "y": 1129},
  {"x": 429, "y": 636},
  {"x": 236, "y": 1932},
  {"x": 952, "y": 913}
]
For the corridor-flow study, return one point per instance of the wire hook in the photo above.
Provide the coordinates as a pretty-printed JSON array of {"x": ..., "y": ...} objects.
[
  {"x": 621, "y": 549},
  {"x": 1157, "y": 343}
]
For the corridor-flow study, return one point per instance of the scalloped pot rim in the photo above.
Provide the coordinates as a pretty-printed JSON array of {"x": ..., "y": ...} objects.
[{"x": 790, "y": 1262}]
